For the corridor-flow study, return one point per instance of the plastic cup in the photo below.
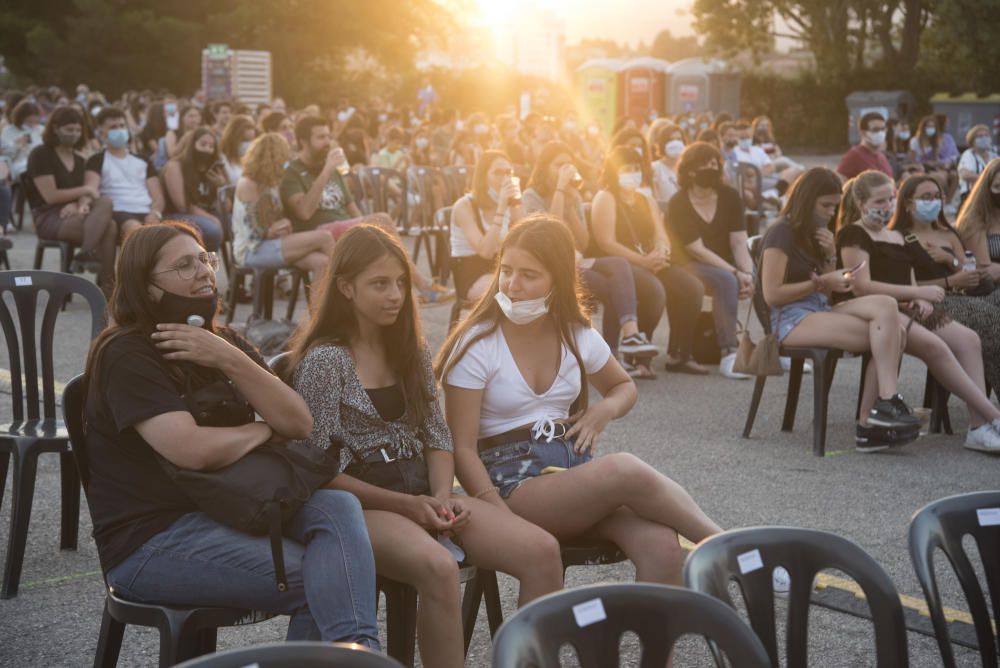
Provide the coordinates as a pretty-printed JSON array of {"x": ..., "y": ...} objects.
[
  {"x": 516, "y": 199},
  {"x": 925, "y": 419}
]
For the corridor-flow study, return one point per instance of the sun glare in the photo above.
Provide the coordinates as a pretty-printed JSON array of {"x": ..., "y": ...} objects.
[{"x": 500, "y": 14}]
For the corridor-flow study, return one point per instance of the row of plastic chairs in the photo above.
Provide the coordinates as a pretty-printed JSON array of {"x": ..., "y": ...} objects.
[{"x": 592, "y": 620}]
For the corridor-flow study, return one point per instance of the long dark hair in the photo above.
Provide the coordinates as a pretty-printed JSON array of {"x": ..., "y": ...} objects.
[
  {"x": 801, "y": 203},
  {"x": 550, "y": 242},
  {"x": 622, "y": 138},
  {"x": 193, "y": 176},
  {"x": 333, "y": 321},
  {"x": 480, "y": 185},
  {"x": 131, "y": 311},
  {"x": 902, "y": 220},
  {"x": 539, "y": 181},
  {"x": 156, "y": 124}
]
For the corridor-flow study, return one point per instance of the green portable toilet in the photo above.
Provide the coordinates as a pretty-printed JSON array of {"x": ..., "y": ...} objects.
[{"x": 597, "y": 90}]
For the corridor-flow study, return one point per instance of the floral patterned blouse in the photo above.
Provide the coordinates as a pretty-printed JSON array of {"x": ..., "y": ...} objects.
[
  {"x": 341, "y": 409},
  {"x": 251, "y": 220}
]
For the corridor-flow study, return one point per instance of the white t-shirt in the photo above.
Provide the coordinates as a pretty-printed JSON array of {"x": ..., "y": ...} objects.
[
  {"x": 973, "y": 162},
  {"x": 508, "y": 400},
  {"x": 664, "y": 181},
  {"x": 123, "y": 181},
  {"x": 460, "y": 246},
  {"x": 755, "y": 155}
]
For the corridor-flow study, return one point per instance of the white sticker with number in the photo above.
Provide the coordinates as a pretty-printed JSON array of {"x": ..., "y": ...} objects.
[
  {"x": 988, "y": 517},
  {"x": 750, "y": 562},
  {"x": 589, "y": 612},
  {"x": 22, "y": 280}
]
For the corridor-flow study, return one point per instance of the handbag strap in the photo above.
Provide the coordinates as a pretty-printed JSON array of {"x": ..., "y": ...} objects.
[{"x": 277, "y": 550}]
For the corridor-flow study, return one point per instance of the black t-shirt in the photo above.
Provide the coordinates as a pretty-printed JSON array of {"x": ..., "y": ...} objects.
[
  {"x": 131, "y": 498},
  {"x": 44, "y": 161},
  {"x": 685, "y": 225},
  {"x": 887, "y": 262},
  {"x": 800, "y": 263}
]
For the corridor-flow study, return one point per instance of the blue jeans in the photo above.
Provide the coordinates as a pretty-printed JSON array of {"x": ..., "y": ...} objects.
[
  {"x": 725, "y": 291},
  {"x": 610, "y": 281},
  {"x": 211, "y": 231},
  {"x": 5, "y": 200},
  {"x": 328, "y": 561}
]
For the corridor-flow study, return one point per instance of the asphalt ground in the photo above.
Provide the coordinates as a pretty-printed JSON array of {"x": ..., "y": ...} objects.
[{"x": 687, "y": 427}]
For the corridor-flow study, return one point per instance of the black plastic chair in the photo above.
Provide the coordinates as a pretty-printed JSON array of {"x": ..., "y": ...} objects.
[
  {"x": 457, "y": 179},
  {"x": 593, "y": 619},
  {"x": 184, "y": 632},
  {"x": 824, "y": 366},
  {"x": 19, "y": 192},
  {"x": 749, "y": 557},
  {"x": 484, "y": 587},
  {"x": 296, "y": 655},
  {"x": 5, "y": 245},
  {"x": 66, "y": 251},
  {"x": 936, "y": 399},
  {"x": 433, "y": 229},
  {"x": 942, "y": 525},
  {"x": 224, "y": 201},
  {"x": 31, "y": 432},
  {"x": 376, "y": 185}
]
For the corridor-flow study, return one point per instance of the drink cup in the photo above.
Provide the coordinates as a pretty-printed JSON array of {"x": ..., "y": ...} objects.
[{"x": 516, "y": 199}]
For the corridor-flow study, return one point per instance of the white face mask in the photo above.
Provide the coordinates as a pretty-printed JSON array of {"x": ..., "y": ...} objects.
[
  {"x": 879, "y": 217},
  {"x": 674, "y": 148},
  {"x": 629, "y": 180},
  {"x": 523, "y": 312},
  {"x": 421, "y": 142},
  {"x": 876, "y": 138}
]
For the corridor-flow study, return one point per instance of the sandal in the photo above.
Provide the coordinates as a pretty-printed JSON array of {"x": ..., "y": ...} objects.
[
  {"x": 688, "y": 366},
  {"x": 641, "y": 370}
]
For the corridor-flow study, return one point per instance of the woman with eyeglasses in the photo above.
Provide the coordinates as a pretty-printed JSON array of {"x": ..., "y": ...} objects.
[
  {"x": 154, "y": 544},
  {"x": 940, "y": 259},
  {"x": 479, "y": 222}
]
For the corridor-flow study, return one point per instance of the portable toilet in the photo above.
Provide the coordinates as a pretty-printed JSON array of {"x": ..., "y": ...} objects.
[
  {"x": 695, "y": 84},
  {"x": 889, "y": 103},
  {"x": 642, "y": 86},
  {"x": 597, "y": 87},
  {"x": 966, "y": 110}
]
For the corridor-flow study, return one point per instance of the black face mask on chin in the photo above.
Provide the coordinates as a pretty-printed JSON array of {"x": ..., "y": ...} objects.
[{"x": 177, "y": 309}]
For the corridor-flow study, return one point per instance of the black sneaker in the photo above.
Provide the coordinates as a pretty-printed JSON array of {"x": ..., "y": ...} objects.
[
  {"x": 638, "y": 345},
  {"x": 876, "y": 439},
  {"x": 85, "y": 261},
  {"x": 892, "y": 412}
]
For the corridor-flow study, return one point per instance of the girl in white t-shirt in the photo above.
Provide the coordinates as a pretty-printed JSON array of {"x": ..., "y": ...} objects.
[{"x": 516, "y": 374}]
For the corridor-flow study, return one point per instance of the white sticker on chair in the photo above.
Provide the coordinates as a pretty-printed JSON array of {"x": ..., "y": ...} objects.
[
  {"x": 22, "y": 280},
  {"x": 589, "y": 612},
  {"x": 750, "y": 562},
  {"x": 988, "y": 517}
]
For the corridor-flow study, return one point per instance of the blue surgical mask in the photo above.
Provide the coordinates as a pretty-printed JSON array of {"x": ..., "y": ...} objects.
[
  {"x": 927, "y": 210},
  {"x": 930, "y": 132},
  {"x": 243, "y": 148},
  {"x": 745, "y": 144},
  {"x": 118, "y": 138},
  {"x": 170, "y": 108},
  {"x": 982, "y": 142}
]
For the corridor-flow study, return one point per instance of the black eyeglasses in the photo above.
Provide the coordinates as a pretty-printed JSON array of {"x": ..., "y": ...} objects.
[{"x": 187, "y": 266}]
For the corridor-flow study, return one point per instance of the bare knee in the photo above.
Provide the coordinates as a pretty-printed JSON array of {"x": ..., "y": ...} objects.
[
  {"x": 438, "y": 572},
  {"x": 626, "y": 472}
]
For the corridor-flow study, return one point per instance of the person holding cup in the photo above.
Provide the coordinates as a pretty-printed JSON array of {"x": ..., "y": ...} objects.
[
  {"x": 480, "y": 221},
  {"x": 316, "y": 197}
]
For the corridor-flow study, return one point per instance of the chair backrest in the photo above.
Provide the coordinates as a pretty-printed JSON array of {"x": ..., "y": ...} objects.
[
  {"x": 420, "y": 182},
  {"x": 295, "y": 655},
  {"x": 73, "y": 402},
  {"x": 749, "y": 557},
  {"x": 357, "y": 188},
  {"x": 593, "y": 619},
  {"x": 755, "y": 245},
  {"x": 942, "y": 525},
  {"x": 225, "y": 197},
  {"x": 33, "y": 349},
  {"x": 376, "y": 183},
  {"x": 457, "y": 179}
]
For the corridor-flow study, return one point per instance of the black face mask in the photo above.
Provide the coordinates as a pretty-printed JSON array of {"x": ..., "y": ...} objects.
[
  {"x": 707, "y": 178},
  {"x": 177, "y": 309},
  {"x": 203, "y": 160}
]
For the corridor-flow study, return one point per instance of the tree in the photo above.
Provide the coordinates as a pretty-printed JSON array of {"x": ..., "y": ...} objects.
[
  {"x": 962, "y": 46},
  {"x": 119, "y": 44},
  {"x": 840, "y": 33},
  {"x": 671, "y": 48}
]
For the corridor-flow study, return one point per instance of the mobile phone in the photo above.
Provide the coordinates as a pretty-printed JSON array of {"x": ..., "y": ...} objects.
[{"x": 855, "y": 269}]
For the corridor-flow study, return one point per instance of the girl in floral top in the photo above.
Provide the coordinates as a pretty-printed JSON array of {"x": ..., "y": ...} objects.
[
  {"x": 364, "y": 370},
  {"x": 262, "y": 235}
]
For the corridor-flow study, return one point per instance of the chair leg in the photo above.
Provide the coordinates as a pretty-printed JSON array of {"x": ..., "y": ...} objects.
[
  {"x": 491, "y": 595},
  {"x": 4, "y": 464},
  {"x": 177, "y": 642},
  {"x": 39, "y": 256},
  {"x": 822, "y": 376},
  {"x": 401, "y": 622},
  {"x": 792, "y": 401},
  {"x": 232, "y": 296},
  {"x": 109, "y": 644},
  {"x": 471, "y": 599},
  {"x": 758, "y": 392},
  {"x": 70, "y": 493},
  {"x": 25, "y": 470}
]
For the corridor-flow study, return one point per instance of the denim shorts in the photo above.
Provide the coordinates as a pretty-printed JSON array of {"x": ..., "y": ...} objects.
[
  {"x": 266, "y": 255},
  {"x": 511, "y": 464},
  {"x": 785, "y": 318}
]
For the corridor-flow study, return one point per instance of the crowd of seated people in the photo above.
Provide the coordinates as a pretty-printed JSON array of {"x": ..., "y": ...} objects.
[{"x": 556, "y": 218}]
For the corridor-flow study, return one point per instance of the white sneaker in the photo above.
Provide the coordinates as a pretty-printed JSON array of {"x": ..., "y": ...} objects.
[
  {"x": 781, "y": 581},
  {"x": 985, "y": 438},
  {"x": 786, "y": 364},
  {"x": 726, "y": 368}
]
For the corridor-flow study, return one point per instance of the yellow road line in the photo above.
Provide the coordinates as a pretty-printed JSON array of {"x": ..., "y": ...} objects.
[{"x": 6, "y": 381}]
